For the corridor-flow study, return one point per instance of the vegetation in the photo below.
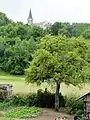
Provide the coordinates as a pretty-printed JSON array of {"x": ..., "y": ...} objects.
[
  {"x": 18, "y": 41},
  {"x": 58, "y": 60},
  {"x": 43, "y": 99},
  {"x": 74, "y": 105},
  {"x": 23, "y": 112},
  {"x": 20, "y": 86},
  {"x": 58, "y": 55}
]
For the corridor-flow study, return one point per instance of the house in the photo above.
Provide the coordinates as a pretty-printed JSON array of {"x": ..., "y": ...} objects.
[{"x": 86, "y": 100}]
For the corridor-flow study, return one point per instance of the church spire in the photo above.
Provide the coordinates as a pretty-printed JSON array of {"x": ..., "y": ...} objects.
[
  {"x": 30, "y": 18},
  {"x": 30, "y": 14}
]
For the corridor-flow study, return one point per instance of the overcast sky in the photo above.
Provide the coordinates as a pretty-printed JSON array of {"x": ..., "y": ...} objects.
[{"x": 50, "y": 10}]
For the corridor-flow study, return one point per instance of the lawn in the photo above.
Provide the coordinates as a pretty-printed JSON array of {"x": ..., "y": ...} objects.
[{"x": 20, "y": 86}]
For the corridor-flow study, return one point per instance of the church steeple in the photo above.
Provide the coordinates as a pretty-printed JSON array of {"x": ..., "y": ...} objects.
[{"x": 30, "y": 18}]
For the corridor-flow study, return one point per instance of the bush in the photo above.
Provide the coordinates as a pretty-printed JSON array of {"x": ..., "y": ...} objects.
[
  {"x": 23, "y": 112},
  {"x": 4, "y": 105},
  {"x": 43, "y": 99},
  {"x": 74, "y": 105},
  {"x": 18, "y": 99}
]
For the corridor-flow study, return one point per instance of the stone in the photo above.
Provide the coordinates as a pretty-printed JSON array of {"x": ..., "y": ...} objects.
[{"x": 5, "y": 90}]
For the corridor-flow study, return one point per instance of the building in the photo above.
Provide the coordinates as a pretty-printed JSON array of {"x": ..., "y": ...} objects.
[
  {"x": 30, "y": 18},
  {"x": 86, "y": 100},
  {"x": 43, "y": 24}
]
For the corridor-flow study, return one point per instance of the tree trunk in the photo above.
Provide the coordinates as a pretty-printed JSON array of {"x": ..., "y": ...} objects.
[{"x": 57, "y": 96}]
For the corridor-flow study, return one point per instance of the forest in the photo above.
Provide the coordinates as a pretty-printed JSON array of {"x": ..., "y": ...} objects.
[{"x": 18, "y": 41}]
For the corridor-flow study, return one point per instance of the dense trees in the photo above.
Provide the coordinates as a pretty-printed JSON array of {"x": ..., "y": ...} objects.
[
  {"x": 17, "y": 44},
  {"x": 70, "y": 30},
  {"x": 86, "y": 34},
  {"x": 17, "y": 57},
  {"x": 19, "y": 41},
  {"x": 58, "y": 60}
]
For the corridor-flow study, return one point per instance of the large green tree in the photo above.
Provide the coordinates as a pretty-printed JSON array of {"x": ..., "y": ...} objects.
[{"x": 58, "y": 60}]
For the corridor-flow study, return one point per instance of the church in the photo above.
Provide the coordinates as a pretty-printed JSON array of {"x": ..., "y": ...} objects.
[{"x": 43, "y": 24}]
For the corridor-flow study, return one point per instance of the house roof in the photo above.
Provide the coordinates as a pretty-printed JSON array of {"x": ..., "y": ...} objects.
[{"x": 84, "y": 95}]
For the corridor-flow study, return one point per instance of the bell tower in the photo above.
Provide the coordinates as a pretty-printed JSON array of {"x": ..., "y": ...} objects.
[{"x": 30, "y": 18}]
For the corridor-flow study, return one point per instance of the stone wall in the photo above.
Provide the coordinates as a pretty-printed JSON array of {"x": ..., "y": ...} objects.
[{"x": 5, "y": 91}]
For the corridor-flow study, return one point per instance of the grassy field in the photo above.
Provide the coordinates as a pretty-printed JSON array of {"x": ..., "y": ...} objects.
[{"x": 19, "y": 86}]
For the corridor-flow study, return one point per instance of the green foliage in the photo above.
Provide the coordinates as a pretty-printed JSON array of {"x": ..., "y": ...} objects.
[
  {"x": 43, "y": 99},
  {"x": 11, "y": 34},
  {"x": 15, "y": 58},
  {"x": 86, "y": 34},
  {"x": 17, "y": 44},
  {"x": 23, "y": 112},
  {"x": 74, "y": 105},
  {"x": 75, "y": 29},
  {"x": 58, "y": 59},
  {"x": 18, "y": 100},
  {"x": 79, "y": 28},
  {"x": 5, "y": 105},
  {"x": 3, "y": 19},
  {"x": 60, "y": 29}
]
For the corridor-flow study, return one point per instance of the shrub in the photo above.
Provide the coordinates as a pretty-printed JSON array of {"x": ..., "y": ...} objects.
[
  {"x": 23, "y": 112},
  {"x": 44, "y": 99},
  {"x": 4, "y": 105},
  {"x": 74, "y": 105},
  {"x": 33, "y": 100},
  {"x": 18, "y": 99}
]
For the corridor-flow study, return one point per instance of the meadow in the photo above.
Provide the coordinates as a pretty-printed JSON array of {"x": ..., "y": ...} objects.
[{"x": 20, "y": 86}]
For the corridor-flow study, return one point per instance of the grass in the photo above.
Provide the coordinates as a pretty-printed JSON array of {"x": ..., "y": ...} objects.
[{"x": 19, "y": 85}]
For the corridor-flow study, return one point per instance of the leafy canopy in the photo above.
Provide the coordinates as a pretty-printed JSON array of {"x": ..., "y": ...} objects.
[{"x": 58, "y": 59}]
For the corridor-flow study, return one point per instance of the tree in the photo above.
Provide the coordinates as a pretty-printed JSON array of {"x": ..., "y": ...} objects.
[
  {"x": 16, "y": 54},
  {"x": 77, "y": 29},
  {"x": 86, "y": 34},
  {"x": 3, "y": 19},
  {"x": 55, "y": 28},
  {"x": 58, "y": 60}
]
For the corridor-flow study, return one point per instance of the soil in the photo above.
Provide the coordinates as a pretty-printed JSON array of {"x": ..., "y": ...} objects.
[{"x": 49, "y": 114}]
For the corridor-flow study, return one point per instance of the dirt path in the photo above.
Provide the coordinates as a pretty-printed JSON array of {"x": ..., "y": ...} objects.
[{"x": 49, "y": 114}]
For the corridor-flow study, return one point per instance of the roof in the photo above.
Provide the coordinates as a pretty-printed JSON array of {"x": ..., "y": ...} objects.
[
  {"x": 30, "y": 15},
  {"x": 84, "y": 95}
]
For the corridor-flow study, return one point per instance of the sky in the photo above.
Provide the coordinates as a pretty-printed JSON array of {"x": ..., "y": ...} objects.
[{"x": 50, "y": 10}]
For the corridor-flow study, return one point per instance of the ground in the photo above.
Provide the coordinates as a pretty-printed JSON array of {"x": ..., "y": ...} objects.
[{"x": 49, "y": 114}]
